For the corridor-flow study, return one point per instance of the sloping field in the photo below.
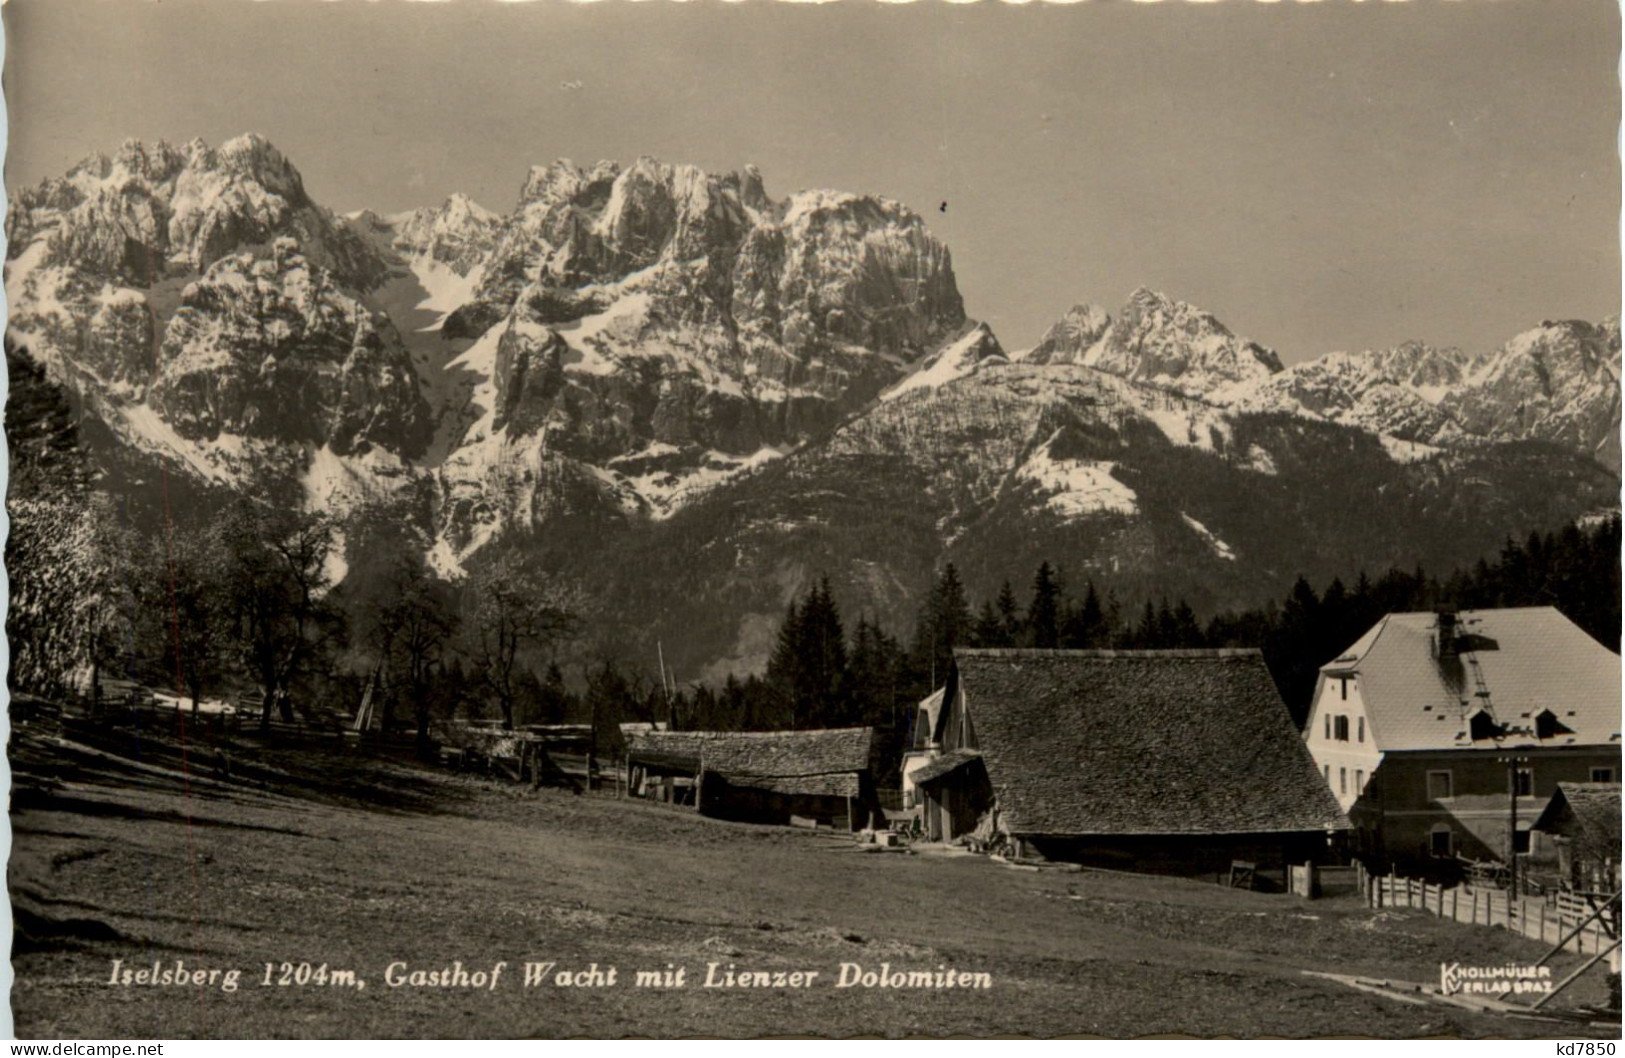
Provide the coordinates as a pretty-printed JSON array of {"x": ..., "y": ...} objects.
[{"x": 317, "y": 854}]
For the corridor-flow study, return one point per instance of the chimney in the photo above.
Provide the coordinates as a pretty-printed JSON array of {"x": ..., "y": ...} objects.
[{"x": 1447, "y": 634}]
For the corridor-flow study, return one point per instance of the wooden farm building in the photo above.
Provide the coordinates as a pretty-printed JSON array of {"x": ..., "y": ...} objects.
[
  {"x": 1583, "y": 821},
  {"x": 763, "y": 776},
  {"x": 663, "y": 765},
  {"x": 1168, "y": 761},
  {"x": 1444, "y": 735}
]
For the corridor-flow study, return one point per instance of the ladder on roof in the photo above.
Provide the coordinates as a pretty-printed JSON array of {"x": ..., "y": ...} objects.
[
  {"x": 1482, "y": 693},
  {"x": 1483, "y": 689}
]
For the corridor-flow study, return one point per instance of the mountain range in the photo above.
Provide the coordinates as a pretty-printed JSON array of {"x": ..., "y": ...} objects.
[{"x": 697, "y": 397}]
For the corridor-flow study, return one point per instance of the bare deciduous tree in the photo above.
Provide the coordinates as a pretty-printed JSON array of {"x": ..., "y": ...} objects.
[{"x": 517, "y": 608}]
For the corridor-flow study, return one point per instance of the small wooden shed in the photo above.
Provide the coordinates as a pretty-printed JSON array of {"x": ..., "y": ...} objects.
[
  {"x": 664, "y": 765},
  {"x": 824, "y": 776},
  {"x": 1583, "y": 819}
]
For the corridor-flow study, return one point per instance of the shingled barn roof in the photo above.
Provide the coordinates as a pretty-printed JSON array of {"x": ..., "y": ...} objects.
[
  {"x": 1103, "y": 742},
  {"x": 1587, "y": 812},
  {"x": 671, "y": 749},
  {"x": 804, "y": 762},
  {"x": 794, "y": 762}
]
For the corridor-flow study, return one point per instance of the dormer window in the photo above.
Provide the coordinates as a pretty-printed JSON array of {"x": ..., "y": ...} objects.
[
  {"x": 1341, "y": 726},
  {"x": 1547, "y": 725},
  {"x": 1482, "y": 725}
]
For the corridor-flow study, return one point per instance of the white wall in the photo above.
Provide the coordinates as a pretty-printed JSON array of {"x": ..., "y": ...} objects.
[{"x": 1351, "y": 762}]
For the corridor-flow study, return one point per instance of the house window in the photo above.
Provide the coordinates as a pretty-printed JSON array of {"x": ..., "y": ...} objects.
[
  {"x": 1362, "y": 729},
  {"x": 1525, "y": 780},
  {"x": 1342, "y": 780},
  {"x": 1328, "y": 770},
  {"x": 1602, "y": 775},
  {"x": 1359, "y": 781},
  {"x": 1440, "y": 786},
  {"x": 1343, "y": 687},
  {"x": 1441, "y": 841},
  {"x": 1520, "y": 843},
  {"x": 1341, "y": 727},
  {"x": 1328, "y": 726}
]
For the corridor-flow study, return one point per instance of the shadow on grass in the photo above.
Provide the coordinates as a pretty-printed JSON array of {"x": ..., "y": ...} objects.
[
  {"x": 28, "y": 799},
  {"x": 30, "y": 896},
  {"x": 313, "y": 768}
]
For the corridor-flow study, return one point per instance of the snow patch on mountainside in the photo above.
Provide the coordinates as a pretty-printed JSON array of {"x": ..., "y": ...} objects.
[
  {"x": 1403, "y": 451},
  {"x": 956, "y": 360},
  {"x": 332, "y": 481},
  {"x": 1077, "y": 487},
  {"x": 1219, "y": 547},
  {"x": 1193, "y": 426},
  {"x": 666, "y": 492},
  {"x": 444, "y": 290},
  {"x": 1260, "y": 460},
  {"x": 142, "y": 427},
  {"x": 593, "y": 338},
  {"x": 480, "y": 359}
]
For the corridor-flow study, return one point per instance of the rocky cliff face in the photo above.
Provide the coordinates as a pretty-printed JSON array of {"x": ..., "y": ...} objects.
[
  {"x": 1557, "y": 383},
  {"x": 459, "y": 233},
  {"x": 1071, "y": 337},
  {"x": 623, "y": 340},
  {"x": 1396, "y": 391},
  {"x": 808, "y": 293},
  {"x": 656, "y": 347},
  {"x": 669, "y": 327},
  {"x": 208, "y": 313},
  {"x": 271, "y": 349},
  {"x": 152, "y": 211},
  {"x": 1159, "y": 341}
]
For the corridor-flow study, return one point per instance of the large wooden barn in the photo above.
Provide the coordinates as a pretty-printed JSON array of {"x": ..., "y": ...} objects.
[
  {"x": 1171, "y": 761},
  {"x": 826, "y": 777}
]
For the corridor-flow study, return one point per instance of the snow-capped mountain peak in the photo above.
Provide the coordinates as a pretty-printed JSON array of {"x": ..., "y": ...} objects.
[{"x": 1159, "y": 341}]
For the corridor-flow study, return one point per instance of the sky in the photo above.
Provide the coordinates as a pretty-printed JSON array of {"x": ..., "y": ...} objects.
[{"x": 1320, "y": 176}]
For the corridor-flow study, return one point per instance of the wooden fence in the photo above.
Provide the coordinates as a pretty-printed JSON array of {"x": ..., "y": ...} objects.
[{"x": 1547, "y": 919}]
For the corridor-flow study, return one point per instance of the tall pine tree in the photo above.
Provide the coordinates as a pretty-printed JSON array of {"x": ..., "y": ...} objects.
[
  {"x": 944, "y": 623},
  {"x": 1044, "y": 613}
]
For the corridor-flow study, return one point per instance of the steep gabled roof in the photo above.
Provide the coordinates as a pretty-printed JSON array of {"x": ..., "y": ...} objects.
[
  {"x": 1102, "y": 742},
  {"x": 1526, "y": 659},
  {"x": 923, "y": 725}
]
